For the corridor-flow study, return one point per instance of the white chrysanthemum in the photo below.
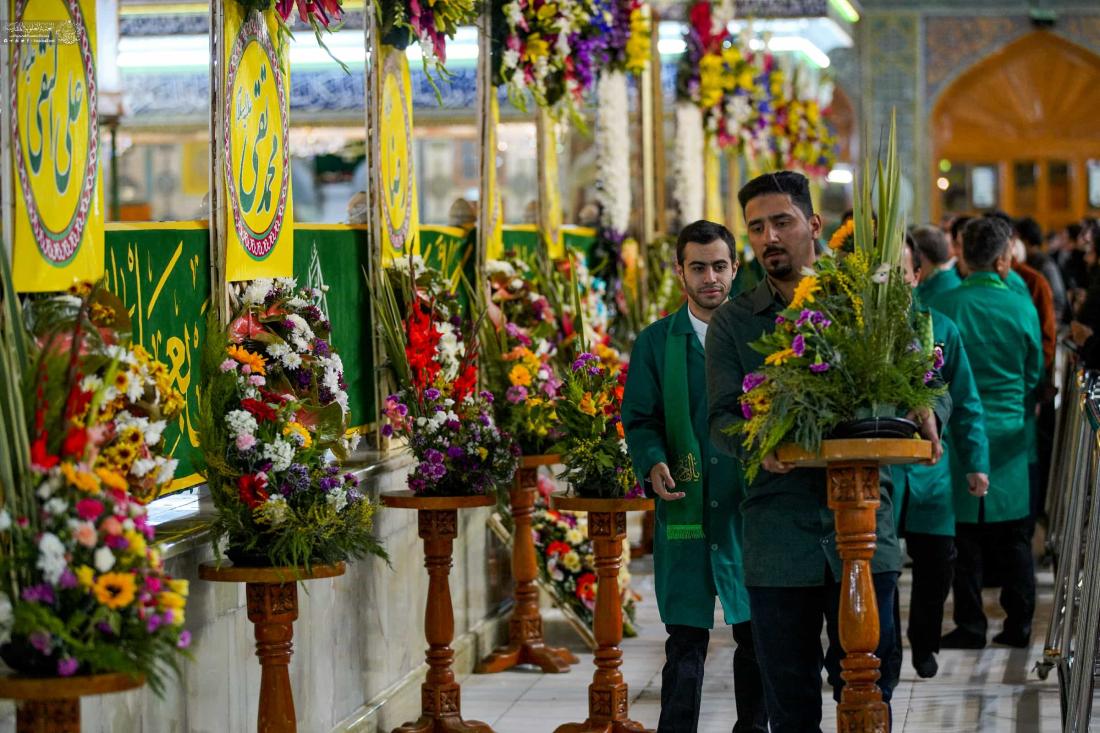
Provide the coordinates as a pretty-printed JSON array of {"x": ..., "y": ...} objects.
[
  {"x": 275, "y": 510},
  {"x": 51, "y": 557},
  {"x": 300, "y": 325},
  {"x": 297, "y": 303},
  {"x": 120, "y": 353},
  {"x": 240, "y": 422},
  {"x": 286, "y": 284},
  {"x": 167, "y": 470},
  {"x": 56, "y": 506},
  {"x": 142, "y": 466},
  {"x": 256, "y": 291},
  {"x": 499, "y": 267},
  {"x": 91, "y": 383},
  {"x": 280, "y": 453},
  {"x": 338, "y": 498},
  {"x": 103, "y": 559}
]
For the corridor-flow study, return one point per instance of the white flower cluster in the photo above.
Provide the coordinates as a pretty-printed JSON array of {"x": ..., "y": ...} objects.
[
  {"x": 301, "y": 334},
  {"x": 334, "y": 371},
  {"x": 281, "y": 352},
  {"x": 241, "y": 422},
  {"x": 613, "y": 151},
  {"x": 689, "y": 162},
  {"x": 280, "y": 453},
  {"x": 51, "y": 557}
]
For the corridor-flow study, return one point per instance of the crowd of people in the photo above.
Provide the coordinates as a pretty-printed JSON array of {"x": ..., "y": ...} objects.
[{"x": 999, "y": 293}]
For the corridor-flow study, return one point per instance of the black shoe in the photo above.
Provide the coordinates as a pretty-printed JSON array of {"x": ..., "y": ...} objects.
[
  {"x": 1017, "y": 639},
  {"x": 925, "y": 665},
  {"x": 959, "y": 639}
]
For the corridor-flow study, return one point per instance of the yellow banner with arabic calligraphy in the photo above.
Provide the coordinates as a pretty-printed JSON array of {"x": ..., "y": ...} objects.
[
  {"x": 494, "y": 241},
  {"x": 255, "y": 119},
  {"x": 58, "y": 193},
  {"x": 399, "y": 213},
  {"x": 712, "y": 181},
  {"x": 549, "y": 207}
]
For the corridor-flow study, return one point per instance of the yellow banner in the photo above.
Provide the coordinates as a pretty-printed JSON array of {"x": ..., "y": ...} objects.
[
  {"x": 400, "y": 216},
  {"x": 712, "y": 175},
  {"x": 255, "y": 121},
  {"x": 494, "y": 242},
  {"x": 550, "y": 218},
  {"x": 58, "y": 223}
]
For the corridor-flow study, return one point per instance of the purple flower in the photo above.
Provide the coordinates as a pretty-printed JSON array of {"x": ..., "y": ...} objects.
[
  {"x": 153, "y": 622},
  {"x": 746, "y": 410},
  {"x": 328, "y": 483},
  {"x": 798, "y": 345},
  {"x": 321, "y": 347},
  {"x": 68, "y": 579},
  {"x": 185, "y": 639},
  {"x": 516, "y": 394},
  {"x": 453, "y": 424},
  {"x": 455, "y": 451},
  {"x": 752, "y": 380},
  {"x": 929, "y": 376},
  {"x": 41, "y": 640},
  {"x": 818, "y": 319},
  {"x": 803, "y": 317},
  {"x": 38, "y": 594},
  {"x": 780, "y": 320},
  {"x": 551, "y": 386},
  {"x": 938, "y": 363},
  {"x": 67, "y": 667},
  {"x": 387, "y": 430},
  {"x": 431, "y": 393},
  {"x": 486, "y": 395},
  {"x": 433, "y": 456},
  {"x": 819, "y": 368},
  {"x": 582, "y": 360}
]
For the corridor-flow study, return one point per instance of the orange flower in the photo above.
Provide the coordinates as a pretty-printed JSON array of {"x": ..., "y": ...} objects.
[
  {"x": 111, "y": 479},
  {"x": 244, "y": 356},
  {"x": 841, "y": 235},
  {"x": 114, "y": 590}
]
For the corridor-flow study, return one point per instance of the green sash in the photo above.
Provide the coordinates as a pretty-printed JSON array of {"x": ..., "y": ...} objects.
[{"x": 684, "y": 516}]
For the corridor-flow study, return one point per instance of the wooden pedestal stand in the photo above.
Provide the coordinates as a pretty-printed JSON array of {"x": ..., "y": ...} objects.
[
  {"x": 608, "y": 702},
  {"x": 852, "y": 476},
  {"x": 272, "y": 594},
  {"x": 525, "y": 642},
  {"x": 440, "y": 695},
  {"x": 52, "y": 704}
]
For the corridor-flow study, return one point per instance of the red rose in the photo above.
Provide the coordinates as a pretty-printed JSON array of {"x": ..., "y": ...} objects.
[
  {"x": 260, "y": 410},
  {"x": 251, "y": 490}
]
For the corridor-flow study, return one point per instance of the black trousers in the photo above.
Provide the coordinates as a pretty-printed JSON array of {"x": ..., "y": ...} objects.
[
  {"x": 682, "y": 680},
  {"x": 933, "y": 570},
  {"x": 1003, "y": 547}
]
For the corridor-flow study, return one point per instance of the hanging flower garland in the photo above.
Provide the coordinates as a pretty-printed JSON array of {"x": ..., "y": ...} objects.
[{"x": 429, "y": 23}]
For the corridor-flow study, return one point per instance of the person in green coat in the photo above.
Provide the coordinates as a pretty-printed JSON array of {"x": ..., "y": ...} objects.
[
  {"x": 697, "y": 544},
  {"x": 1000, "y": 328},
  {"x": 924, "y": 510},
  {"x": 937, "y": 272}
]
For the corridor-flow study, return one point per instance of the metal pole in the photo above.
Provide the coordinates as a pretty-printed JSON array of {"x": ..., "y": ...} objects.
[{"x": 1084, "y": 651}]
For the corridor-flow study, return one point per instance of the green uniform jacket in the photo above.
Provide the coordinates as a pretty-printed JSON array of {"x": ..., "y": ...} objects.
[
  {"x": 941, "y": 282},
  {"x": 688, "y": 573},
  {"x": 1000, "y": 328},
  {"x": 925, "y": 491},
  {"x": 789, "y": 532}
]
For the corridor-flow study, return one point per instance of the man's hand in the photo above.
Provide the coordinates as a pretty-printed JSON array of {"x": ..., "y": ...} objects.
[
  {"x": 926, "y": 422},
  {"x": 660, "y": 478},
  {"x": 772, "y": 464},
  {"x": 978, "y": 484}
]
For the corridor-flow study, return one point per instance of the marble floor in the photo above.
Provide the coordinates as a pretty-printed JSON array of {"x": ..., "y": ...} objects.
[{"x": 989, "y": 691}]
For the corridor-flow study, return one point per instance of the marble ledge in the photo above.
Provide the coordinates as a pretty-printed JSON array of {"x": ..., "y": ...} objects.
[{"x": 183, "y": 520}]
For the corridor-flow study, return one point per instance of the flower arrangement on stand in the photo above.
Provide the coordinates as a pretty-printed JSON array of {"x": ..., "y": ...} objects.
[
  {"x": 449, "y": 424},
  {"x": 567, "y": 564},
  {"x": 323, "y": 16},
  {"x": 848, "y": 346},
  {"x": 84, "y": 588},
  {"x": 273, "y": 419},
  {"x": 429, "y": 24}
]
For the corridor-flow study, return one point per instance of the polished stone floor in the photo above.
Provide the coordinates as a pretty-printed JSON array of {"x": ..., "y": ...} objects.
[{"x": 989, "y": 691}]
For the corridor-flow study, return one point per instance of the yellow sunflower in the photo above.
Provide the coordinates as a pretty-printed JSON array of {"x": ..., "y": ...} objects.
[{"x": 114, "y": 590}]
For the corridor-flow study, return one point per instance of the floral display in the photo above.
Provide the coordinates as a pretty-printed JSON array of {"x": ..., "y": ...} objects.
[
  {"x": 273, "y": 420},
  {"x": 323, "y": 16},
  {"x": 689, "y": 149},
  {"x": 429, "y": 24},
  {"x": 84, "y": 588},
  {"x": 567, "y": 563},
  {"x": 847, "y": 346},
  {"x": 593, "y": 445},
  {"x": 800, "y": 138},
  {"x": 449, "y": 424}
]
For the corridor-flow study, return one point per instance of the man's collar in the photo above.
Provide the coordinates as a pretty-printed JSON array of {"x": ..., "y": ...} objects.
[
  {"x": 764, "y": 296},
  {"x": 680, "y": 322}
]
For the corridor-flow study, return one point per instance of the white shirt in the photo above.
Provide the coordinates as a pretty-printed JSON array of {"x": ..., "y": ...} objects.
[{"x": 700, "y": 328}]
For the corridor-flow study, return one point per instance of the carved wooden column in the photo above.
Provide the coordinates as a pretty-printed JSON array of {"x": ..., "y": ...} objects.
[
  {"x": 52, "y": 704},
  {"x": 440, "y": 695},
  {"x": 525, "y": 642},
  {"x": 852, "y": 478},
  {"x": 608, "y": 699},
  {"x": 272, "y": 596}
]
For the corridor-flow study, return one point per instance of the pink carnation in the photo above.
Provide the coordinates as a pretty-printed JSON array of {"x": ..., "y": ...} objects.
[{"x": 245, "y": 442}]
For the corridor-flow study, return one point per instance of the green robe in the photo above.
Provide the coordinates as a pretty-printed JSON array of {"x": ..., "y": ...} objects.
[
  {"x": 688, "y": 573},
  {"x": 924, "y": 492},
  {"x": 789, "y": 534},
  {"x": 940, "y": 282},
  {"x": 1000, "y": 330}
]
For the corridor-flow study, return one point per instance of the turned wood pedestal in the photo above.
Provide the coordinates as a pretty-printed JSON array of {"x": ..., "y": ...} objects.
[
  {"x": 52, "y": 704},
  {"x": 525, "y": 642},
  {"x": 852, "y": 476},
  {"x": 440, "y": 695},
  {"x": 608, "y": 701},
  {"x": 272, "y": 595}
]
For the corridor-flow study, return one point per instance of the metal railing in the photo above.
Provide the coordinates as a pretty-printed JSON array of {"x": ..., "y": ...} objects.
[{"x": 1073, "y": 539}]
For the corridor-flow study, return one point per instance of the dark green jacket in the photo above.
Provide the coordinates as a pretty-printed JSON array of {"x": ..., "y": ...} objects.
[
  {"x": 923, "y": 501},
  {"x": 941, "y": 282},
  {"x": 1000, "y": 330},
  {"x": 688, "y": 573},
  {"x": 789, "y": 532}
]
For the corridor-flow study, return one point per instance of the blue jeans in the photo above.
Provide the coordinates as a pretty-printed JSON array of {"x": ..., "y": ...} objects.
[{"x": 787, "y": 635}]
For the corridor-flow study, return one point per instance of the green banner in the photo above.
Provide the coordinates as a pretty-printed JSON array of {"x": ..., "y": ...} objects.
[
  {"x": 162, "y": 274},
  {"x": 336, "y": 256}
]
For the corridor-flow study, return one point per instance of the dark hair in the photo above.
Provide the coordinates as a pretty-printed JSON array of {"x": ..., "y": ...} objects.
[
  {"x": 957, "y": 225},
  {"x": 704, "y": 232},
  {"x": 914, "y": 249},
  {"x": 795, "y": 185},
  {"x": 984, "y": 240},
  {"x": 1073, "y": 231},
  {"x": 847, "y": 216},
  {"x": 931, "y": 243},
  {"x": 1029, "y": 230}
]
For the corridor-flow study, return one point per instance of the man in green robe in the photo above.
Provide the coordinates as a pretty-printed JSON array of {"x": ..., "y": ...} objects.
[
  {"x": 792, "y": 568},
  {"x": 1000, "y": 328},
  {"x": 937, "y": 271},
  {"x": 697, "y": 546},
  {"x": 923, "y": 504}
]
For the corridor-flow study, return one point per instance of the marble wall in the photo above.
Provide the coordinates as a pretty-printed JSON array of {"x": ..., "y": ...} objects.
[{"x": 358, "y": 644}]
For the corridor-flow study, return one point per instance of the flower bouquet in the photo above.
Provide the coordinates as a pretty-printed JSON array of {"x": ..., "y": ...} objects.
[
  {"x": 593, "y": 445},
  {"x": 323, "y": 16},
  {"x": 428, "y": 23},
  {"x": 848, "y": 346},
  {"x": 273, "y": 418},
  {"x": 84, "y": 588},
  {"x": 449, "y": 424}
]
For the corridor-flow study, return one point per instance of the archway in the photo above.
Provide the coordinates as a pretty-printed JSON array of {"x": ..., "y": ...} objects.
[{"x": 1018, "y": 131}]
